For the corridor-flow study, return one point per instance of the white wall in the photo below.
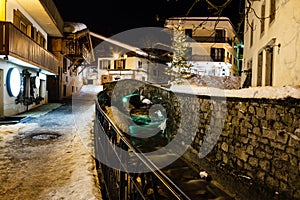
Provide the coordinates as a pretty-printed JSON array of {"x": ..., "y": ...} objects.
[
  {"x": 200, "y": 49},
  {"x": 10, "y": 107},
  {"x": 286, "y": 32},
  {"x": 211, "y": 68}
]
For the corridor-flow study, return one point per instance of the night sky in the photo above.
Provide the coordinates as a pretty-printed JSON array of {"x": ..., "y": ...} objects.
[{"x": 114, "y": 16}]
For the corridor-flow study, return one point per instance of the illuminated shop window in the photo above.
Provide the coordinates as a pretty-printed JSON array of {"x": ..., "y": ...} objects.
[{"x": 37, "y": 82}]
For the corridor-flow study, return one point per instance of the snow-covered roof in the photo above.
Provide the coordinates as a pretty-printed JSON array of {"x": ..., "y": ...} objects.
[{"x": 73, "y": 27}]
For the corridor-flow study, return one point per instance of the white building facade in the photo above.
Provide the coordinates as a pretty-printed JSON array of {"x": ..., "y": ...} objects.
[
  {"x": 272, "y": 45},
  {"x": 121, "y": 67},
  {"x": 25, "y": 62},
  {"x": 211, "y": 44}
]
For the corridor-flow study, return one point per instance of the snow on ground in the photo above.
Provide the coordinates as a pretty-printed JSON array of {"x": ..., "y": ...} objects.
[
  {"x": 8, "y": 132},
  {"x": 62, "y": 168},
  {"x": 83, "y": 110}
]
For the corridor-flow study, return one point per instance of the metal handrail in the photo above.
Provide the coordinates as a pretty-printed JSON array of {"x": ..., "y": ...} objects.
[{"x": 164, "y": 179}]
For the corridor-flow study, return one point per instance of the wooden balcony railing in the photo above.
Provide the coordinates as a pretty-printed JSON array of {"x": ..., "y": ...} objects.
[
  {"x": 78, "y": 46},
  {"x": 210, "y": 58},
  {"x": 17, "y": 44},
  {"x": 212, "y": 39}
]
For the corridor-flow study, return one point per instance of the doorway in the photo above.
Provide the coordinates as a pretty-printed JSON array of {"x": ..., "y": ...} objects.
[
  {"x": 269, "y": 67},
  {"x": 259, "y": 69}
]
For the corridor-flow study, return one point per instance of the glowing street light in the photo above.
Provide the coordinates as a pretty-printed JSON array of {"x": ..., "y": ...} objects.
[{"x": 116, "y": 55}]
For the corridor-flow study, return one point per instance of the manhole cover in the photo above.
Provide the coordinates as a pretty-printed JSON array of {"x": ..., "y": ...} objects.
[{"x": 45, "y": 136}]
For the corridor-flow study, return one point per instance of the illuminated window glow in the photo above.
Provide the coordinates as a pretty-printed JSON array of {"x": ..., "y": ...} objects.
[
  {"x": 2, "y": 10},
  {"x": 37, "y": 82}
]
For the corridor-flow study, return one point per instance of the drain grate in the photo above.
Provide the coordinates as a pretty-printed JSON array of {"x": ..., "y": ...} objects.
[{"x": 45, "y": 136}]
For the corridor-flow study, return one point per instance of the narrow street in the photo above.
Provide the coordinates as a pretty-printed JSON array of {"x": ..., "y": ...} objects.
[{"x": 50, "y": 154}]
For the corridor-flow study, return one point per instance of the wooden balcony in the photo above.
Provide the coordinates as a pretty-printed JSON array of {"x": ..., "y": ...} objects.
[
  {"x": 78, "y": 47},
  {"x": 18, "y": 45},
  {"x": 212, "y": 39}
]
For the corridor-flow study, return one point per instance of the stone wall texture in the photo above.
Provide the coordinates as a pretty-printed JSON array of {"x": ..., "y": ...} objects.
[{"x": 250, "y": 146}]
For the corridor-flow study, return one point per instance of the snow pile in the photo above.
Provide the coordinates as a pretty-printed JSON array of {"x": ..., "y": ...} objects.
[
  {"x": 63, "y": 168},
  {"x": 253, "y": 92},
  {"x": 229, "y": 86},
  {"x": 8, "y": 132},
  {"x": 225, "y": 82},
  {"x": 266, "y": 92}
]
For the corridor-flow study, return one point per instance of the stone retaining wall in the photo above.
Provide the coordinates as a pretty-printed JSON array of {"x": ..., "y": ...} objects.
[
  {"x": 250, "y": 146},
  {"x": 258, "y": 148}
]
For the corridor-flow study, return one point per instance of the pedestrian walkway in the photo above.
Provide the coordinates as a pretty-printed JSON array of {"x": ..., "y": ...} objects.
[
  {"x": 34, "y": 113},
  {"x": 39, "y": 111}
]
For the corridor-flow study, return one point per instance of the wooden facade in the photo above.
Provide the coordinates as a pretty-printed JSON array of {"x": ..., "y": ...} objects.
[{"x": 13, "y": 42}]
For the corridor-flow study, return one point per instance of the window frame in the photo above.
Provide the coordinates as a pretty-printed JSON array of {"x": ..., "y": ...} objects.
[{"x": 272, "y": 10}]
